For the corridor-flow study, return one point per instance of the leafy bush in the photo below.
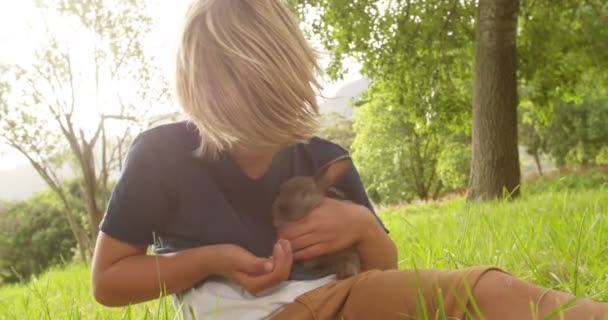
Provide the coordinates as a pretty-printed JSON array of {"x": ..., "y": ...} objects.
[
  {"x": 578, "y": 134},
  {"x": 396, "y": 157},
  {"x": 398, "y": 148},
  {"x": 454, "y": 165},
  {"x": 34, "y": 235},
  {"x": 602, "y": 156}
]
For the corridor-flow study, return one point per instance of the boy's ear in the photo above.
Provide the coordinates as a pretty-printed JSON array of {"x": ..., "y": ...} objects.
[{"x": 329, "y": 175}]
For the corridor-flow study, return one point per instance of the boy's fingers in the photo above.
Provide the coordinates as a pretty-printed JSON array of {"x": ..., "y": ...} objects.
[
  {"x": 282, "y": 260},
  {"x": 305, "y": 241},
  {"x": 285, "y": 260},
  {"x": 311, "y": 252},
  {"x": 251, "y": 264},
  {"x": 295, "y": 230},
  {"x": 258, "y": 266},
  {"x": 278, "y": 253}
]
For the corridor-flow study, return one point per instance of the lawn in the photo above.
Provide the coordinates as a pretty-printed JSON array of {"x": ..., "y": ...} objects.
[{"x": 555, "y": 235}]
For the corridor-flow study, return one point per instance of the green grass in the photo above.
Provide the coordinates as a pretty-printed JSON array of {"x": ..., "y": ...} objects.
[
  {"x": 556, "y": 235},
  {"x": 65, "y": 293},
  {"x": 555, "y": 239},
  {"x": 577, "y": 179}
]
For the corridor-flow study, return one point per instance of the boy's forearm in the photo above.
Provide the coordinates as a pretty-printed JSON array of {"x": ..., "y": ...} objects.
[
  {"x": 376, "y": 249},
  {"x": 142, "y": 277}
]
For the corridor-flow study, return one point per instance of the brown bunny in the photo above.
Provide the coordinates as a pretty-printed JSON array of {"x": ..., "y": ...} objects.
[{"x": 299, "y": 195}]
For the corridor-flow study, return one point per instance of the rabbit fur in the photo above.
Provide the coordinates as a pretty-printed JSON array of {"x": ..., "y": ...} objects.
[{"x": 299, "y": 196}]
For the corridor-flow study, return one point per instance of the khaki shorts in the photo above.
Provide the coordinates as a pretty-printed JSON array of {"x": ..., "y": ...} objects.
[{"x": 395, "y": 294}]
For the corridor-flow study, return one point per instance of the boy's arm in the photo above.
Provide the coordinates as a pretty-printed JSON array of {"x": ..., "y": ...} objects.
[
  {"x": 376, "y": 249},
  {"x": 123, "y": 274}
]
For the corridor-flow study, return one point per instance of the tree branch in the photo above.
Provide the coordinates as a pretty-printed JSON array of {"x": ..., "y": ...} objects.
[
  {"x": 38, "y": 70},
  {"x": 71, "y": 81},
  {"x": 119, "y": 117}
]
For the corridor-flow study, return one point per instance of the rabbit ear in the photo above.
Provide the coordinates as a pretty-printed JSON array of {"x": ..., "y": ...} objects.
[{"x": 329, "y": 175}]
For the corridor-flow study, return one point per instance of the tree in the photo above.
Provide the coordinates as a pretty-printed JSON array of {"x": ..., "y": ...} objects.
[
  {"x": 421, "y": 49},
  {"x": 531, "y": 134},
  {"x": 82, "y": 101},
  {"x": 563, "y": 50},
  {"x": 418, "y": 55},
  {"x": 396, "y": 157},
  {"x": 562, "y": 47},
  {"x": 577, "y": 132},
  {"x": 495, "y": 163},
  {"x": 421, "y": 52}
]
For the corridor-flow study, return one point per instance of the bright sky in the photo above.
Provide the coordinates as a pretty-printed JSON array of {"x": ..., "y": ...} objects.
[{"x": 18, "y": 42}]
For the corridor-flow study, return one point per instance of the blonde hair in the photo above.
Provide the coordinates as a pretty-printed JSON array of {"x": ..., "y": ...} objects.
[{"x": 246, "y": 75}]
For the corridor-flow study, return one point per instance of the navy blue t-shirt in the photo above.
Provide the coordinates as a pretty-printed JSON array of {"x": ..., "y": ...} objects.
[{"x": 167, "y": 197}]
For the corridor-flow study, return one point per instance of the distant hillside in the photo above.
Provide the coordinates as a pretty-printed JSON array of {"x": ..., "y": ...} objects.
[
  {"x": 20, "y": 183},
  {"x": 340, "y": 102}
]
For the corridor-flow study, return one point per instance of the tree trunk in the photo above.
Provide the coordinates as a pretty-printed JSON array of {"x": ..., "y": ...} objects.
[
  {"x": 495, "y": 164},
  {"x": 437, "y": 190},
  {"x": 539, "y": 167},
  {"x": 423, "y": 194},
  {"x": 84, "y": 245},
  {"x": 90, "y": 189}
]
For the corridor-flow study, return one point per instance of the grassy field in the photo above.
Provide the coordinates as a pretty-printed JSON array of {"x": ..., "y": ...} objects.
[
  {"x": 556, "y": 235},
  {"x": 65, "y": 293}
]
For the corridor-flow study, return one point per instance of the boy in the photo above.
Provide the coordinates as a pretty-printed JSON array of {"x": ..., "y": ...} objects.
[{"x": 201, "y": 192}]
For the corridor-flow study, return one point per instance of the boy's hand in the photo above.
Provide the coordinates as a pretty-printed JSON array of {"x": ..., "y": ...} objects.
[
  {"x": 332, "y": 226},
  {"x": 253, "y": 273}
]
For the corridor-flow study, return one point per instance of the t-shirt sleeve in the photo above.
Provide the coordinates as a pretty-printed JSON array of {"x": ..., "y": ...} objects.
[
  {"x": 350, "y": 184},
  {"x": 140, "y": 199}
]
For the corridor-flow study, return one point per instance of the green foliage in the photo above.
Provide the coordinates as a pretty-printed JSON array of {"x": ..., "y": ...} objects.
[
  {"x": 339, "y": 129},
  {"x": 397, "y": 158},
  {"x": 563, "y": 50},
  {"x": 422, "y": 51},
  {"x": 577, "y": 133},
  {"x": 454, "y": 165},
  {"x": 602, "y": 156},
  {"x": 426, "y": 47},
  {"x": 563, "y": 55},
  {"x": 34, "y": 235},
  {"x": 531, "y": 130},
  {"x": 402, "y": 159},
  {"x": 569, "y": 180}
]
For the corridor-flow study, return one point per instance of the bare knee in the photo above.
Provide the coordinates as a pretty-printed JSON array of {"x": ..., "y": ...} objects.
[{"x": 497, "y": 294}]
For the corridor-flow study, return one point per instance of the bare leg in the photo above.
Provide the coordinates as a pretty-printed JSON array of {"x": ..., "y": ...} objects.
[{"x": 501, "y": 296}]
